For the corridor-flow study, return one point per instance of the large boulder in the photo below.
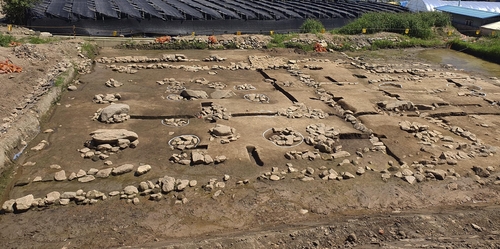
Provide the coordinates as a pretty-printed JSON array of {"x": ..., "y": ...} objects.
[
  {"x": 167, "y": 184},
  {"x": 222, "y": 94},
  {"x": 111, "y": 136},
  {"x": 130, "y": 190},
  {"x": 104, "y": 173},
  {"x": 60, "y": 176},
  {"x": 193, "y": 94},
  {"x": 114, "y": 109},
  {"x": 8, "y": 206},
  {"x": 222, "y": 130},
  {"x": 24, "y": 203},
  {"x": 197, "y": 157},
  {"x": 52, "y": 197},
  {"x": 122, "y": 169},
  {"x": 143, "y": 169}
]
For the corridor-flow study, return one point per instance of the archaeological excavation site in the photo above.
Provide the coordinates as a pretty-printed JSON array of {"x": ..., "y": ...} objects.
[{"x": 247, "y": 148}]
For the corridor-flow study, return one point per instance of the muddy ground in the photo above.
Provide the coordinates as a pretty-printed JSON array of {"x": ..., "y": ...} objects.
[{"x": 459, "y": 210}]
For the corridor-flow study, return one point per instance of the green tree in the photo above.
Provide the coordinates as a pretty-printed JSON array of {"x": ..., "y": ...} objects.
[
  {"x": 15, "y": 10},
  {"x": 311, "y": 26}
]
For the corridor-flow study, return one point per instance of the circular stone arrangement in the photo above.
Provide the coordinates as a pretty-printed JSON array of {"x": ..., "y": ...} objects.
[
  {"x": 283, "y": 136},
  {"x": 175, "y": 122},
  {"x": 257, "y": 97},
  {"x": 184, "y": 142}
]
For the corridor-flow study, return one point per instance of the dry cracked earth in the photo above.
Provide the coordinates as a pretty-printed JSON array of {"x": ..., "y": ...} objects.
[{"x": 256, "y": 149}]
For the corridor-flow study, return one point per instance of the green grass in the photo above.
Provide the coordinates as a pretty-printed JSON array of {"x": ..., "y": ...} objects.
[
  {"x": 38, "y": 40},
  {"x": 419, "y": 25},
  {"x": 5, "y": 40},
  {"x": 59, "y": 81},
  {"x": 487, "y": 48},
  {"x": 90, "y": 50},
  {"x": 279, "y": 40}
]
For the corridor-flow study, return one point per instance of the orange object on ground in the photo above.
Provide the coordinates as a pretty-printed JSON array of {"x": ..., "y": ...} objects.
[
  {"x": 163, "y": 39},
  {"x": 212, "y": 39},
  {"x": 319, "y": 48},
  {"x": 8, "y": 67},
  {"x": 14, "y": 44}
]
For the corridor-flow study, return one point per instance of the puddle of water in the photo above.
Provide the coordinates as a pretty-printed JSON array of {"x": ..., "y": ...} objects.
[{"x": 461, "y": 60}]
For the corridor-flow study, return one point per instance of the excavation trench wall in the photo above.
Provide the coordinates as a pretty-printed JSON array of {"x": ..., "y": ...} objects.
[{"x": 27, "y": 126}]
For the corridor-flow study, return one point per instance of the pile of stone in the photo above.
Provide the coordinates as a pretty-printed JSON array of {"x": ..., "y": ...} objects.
[
  {"x": 238, "y": 66},
  {"x": 356, "y": 123},
  {"x": 114, "y": 113},
  {"x": 257, "y": 97},
  {"x": 306, "y": 155},
  {"x": 246, "y": 42},
  {"x": 106, "y": 99},
  {"x": 30, "y": 52},
  {"x": 244, "y": 87},
  {"x": 184, "y": 142},
  {"x": 463, "y": 133},
  {"x": 422, "y": 170},
  {"x": 27, "y": 202},
  {"x": 175, "y": 58},
  {"x": 304, "y": 78},
  {"x": 397, "y": 106},
  {"x": 322, "y": 137},
  {"x": 214, "y": 183},
  {"x": 196, "y": 158},
  {"x": 299, "y": 110},
  {"x": 93, "y": 173},
  {"x": 122, "y": 69},
  {"x": 377, "y": 145},
  {"x": 412, "y": 127},
  {"x": 274, "y": 175},
  {"x": 127, "y": 59},
  {"x": 422, "y": 132},
  {"x": 175, "y": 122},
  {"x": 328, "y": 98},
  {"x": 173, "y": 85},
  {"x": 214, "y": 112},
  {"x": 107, "y": 141},
  {"x": 144, "y": 59},
  {"x": 225, "y": 133},
  {"x": 113, "y": 83},
  {"x": 284, "y": 136},
  {"x": 133, "y": 68},
  {"x": 84, "y": 66},
  {"x": 313, "y": 67},
  {"x": 214, "y": 58},
  {"x": 267, "y": 62},
  {"x": 217, "y": 85},
  {"x": 201, "y": 81}
]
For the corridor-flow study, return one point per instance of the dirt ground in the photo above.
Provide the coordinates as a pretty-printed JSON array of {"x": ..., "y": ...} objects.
[{"x": 458, "y": 211}]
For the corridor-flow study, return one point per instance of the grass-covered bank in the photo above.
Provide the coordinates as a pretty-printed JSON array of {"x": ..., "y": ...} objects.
[
  {"x": 8, "y": 40},
  {"x": 484, "y": 48},
  {"x": 419, "y": 25}
]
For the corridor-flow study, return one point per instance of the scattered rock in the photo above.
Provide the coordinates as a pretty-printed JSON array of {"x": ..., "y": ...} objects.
[
  {"x": 143, "y": 169},
  {"x": 60, "y": 176}
]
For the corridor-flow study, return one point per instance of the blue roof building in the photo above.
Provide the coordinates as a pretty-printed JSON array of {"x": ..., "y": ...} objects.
[{"x": 468, "y": 20}]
